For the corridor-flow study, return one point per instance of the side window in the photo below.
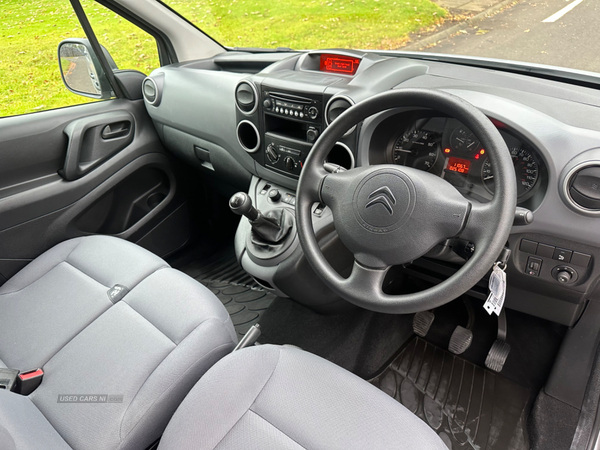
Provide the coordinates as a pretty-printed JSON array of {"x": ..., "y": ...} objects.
[
  {"x": 30, "y": 78},
  {"x": 129, "y": 46}
]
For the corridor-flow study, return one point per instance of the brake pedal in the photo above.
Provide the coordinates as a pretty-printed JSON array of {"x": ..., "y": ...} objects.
[
  {"x": 461, "y": 340},
  {"x": 422, "y": 323},
  {"x": 500, "y": 349},
  {"x": 462, "y": 337}
]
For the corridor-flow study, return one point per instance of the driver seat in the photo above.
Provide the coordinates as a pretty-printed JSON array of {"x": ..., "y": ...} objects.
[{"x": 281, "y": 397}]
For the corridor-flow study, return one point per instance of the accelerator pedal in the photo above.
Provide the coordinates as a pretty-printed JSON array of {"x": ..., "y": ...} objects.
[
  {"x": 461, "y": 340},
  {"x": 422, "y": 323},
  {"x": 497, "y": 356},
  {"x": 500, "y": 349}
]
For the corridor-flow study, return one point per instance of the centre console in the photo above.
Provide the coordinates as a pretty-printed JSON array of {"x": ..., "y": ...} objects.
[{"x": 280, "y": 115}]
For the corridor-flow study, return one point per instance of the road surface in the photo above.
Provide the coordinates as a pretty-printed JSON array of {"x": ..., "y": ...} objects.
[{"x": 555, "y": 32}]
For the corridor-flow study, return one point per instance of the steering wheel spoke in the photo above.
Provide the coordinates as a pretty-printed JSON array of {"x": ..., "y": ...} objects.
[
  {"x": 364, "y": 280},
  {"x": 480, "y": 221}
]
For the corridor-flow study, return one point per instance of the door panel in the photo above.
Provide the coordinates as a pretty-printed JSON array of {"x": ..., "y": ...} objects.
[{"x": 119, "y": 181}]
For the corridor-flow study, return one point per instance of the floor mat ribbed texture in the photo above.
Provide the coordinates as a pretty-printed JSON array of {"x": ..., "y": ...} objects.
[
  {"x": 243, "y": 298},
  {"x": 469, "y": 407}
]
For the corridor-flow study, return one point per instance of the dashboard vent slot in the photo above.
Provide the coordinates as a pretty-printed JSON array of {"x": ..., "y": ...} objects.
[
  {"x": 246, "y": 97},
  {"x": 584, "y": 188}
]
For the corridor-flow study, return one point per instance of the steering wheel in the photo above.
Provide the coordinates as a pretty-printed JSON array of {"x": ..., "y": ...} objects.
[{"x": 389, "y": 215}]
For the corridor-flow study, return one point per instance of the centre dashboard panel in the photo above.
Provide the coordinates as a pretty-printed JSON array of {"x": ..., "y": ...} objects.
[{"x": 280, "y": 116}]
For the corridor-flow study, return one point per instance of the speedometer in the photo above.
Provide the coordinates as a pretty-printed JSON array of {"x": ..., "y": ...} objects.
[{"x": 526, "y": 171}]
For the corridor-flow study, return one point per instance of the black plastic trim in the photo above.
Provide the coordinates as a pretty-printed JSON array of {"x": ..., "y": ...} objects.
[{"x": 89, "y": 32}]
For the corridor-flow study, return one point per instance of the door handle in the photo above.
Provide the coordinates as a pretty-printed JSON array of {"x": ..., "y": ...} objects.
[
  {"x": 115, "y": 130},
  {"x": 95, "y": 139}
]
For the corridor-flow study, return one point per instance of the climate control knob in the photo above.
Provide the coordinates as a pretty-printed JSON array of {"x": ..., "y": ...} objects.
[
  {"x": 272, "y": 154},
  {"x": 290, "y": 164}
]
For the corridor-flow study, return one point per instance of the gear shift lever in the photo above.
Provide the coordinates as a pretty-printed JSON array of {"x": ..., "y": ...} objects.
[
  {"x": 272, "y": 228},
  {"x": 241, "y": 204}
]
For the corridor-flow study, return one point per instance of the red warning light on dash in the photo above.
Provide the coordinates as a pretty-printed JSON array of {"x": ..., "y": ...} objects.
[
  {"x": 339, "y": 64},
  {"x": 458, "y": 165}
]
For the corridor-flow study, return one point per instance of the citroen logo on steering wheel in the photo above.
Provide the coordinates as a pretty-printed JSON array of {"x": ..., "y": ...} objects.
[{"x": 382, "y": 196}]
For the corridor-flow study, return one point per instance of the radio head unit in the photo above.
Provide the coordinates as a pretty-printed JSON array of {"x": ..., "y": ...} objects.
[{"x": 292, "y": 106}]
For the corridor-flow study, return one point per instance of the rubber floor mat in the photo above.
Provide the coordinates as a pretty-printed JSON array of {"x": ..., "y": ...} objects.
[
  {"x": 469, "y": 407},
  {"x": 243, "y": 298}
]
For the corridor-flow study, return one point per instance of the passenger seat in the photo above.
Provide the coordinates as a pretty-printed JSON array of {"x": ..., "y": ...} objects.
[{"x": 121, "y": 338}]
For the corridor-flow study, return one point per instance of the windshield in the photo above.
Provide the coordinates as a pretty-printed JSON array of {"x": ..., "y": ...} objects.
[{"x": 552, "y": 32}]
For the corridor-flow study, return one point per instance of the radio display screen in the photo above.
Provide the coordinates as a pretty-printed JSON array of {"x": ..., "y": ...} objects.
[{"x": 339, "y": 64}]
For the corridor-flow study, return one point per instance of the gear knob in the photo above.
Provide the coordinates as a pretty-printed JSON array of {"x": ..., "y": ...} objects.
[{"x": 241, "y": 204}]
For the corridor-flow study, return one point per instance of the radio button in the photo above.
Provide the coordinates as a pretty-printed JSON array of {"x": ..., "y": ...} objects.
[{"x": 313, "y": 112}]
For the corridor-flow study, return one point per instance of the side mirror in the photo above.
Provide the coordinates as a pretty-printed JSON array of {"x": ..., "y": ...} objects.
[{"x": 81, "y": 71}]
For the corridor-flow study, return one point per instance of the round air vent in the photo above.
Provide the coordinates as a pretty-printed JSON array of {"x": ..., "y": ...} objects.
[
  {"x": 583, "y": 187},
  {"x": 341, "y": 155},
  {"x": 248, "y": 136},
  {"x": 336, "y": 107},
  {"x": 246, "y": 97},
  {"x": 151, "y": 91}
]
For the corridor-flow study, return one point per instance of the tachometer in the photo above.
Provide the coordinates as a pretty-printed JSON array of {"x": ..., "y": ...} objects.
[
  {"x": 526, "y": 170},
  {"x": 418, "y": 149}
]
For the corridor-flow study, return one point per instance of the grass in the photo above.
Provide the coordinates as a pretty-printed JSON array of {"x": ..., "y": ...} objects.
[
  {"x": 302, "y": 24},
  {"x": 30, "y": 32}
]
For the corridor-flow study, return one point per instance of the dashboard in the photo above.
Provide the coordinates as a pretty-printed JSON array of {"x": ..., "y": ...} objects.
[{"x": 253, "y": 118}]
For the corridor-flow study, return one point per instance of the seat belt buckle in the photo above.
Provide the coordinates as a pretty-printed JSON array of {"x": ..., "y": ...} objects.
[
  {"x": 28, "y": 381},
  {"x": 8, "y": 379}
]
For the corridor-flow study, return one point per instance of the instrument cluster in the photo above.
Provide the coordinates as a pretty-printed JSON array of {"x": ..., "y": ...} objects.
[{"x": 449, "y": 149}]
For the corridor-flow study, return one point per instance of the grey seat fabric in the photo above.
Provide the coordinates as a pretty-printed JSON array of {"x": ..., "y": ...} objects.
[
  {"x": 22, "y": 425},
  {"x": 141, "y": 355},
  {"x": 282, "y": 397}
]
